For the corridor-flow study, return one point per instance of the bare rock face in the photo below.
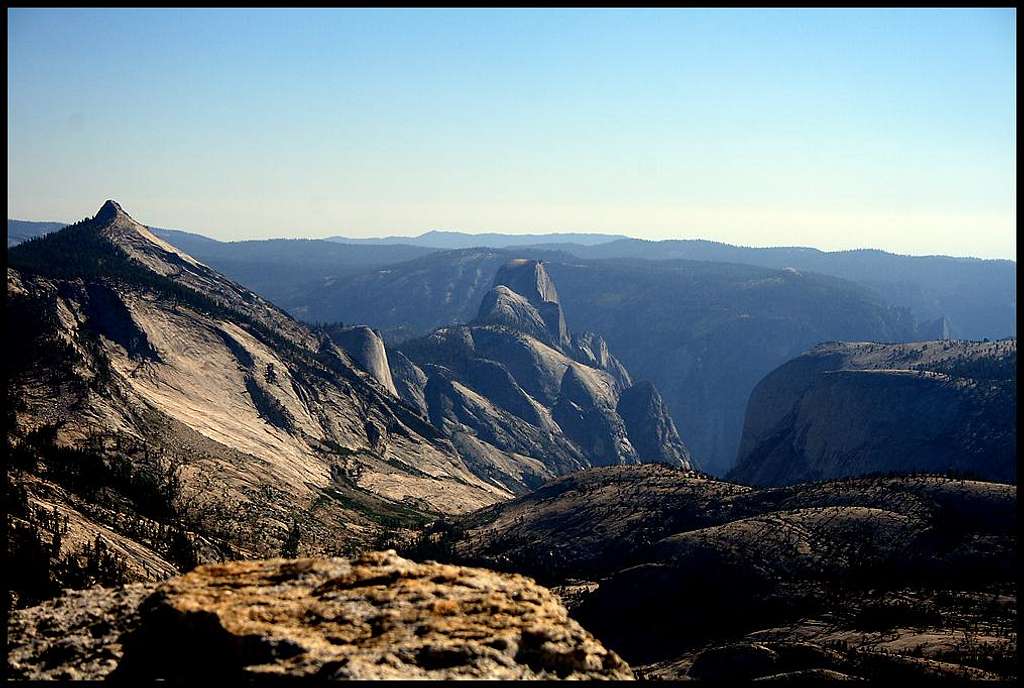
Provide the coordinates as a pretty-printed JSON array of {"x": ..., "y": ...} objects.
[
  {"x": 650, "y": 426},
  {"x": 845, "y": 409},
  {"x": 376, "y": 617},
  {"x": 530, "y": 279},
  {"x": 74, "y": 637},
  {"x": 502, "y": 306},
  {"x": 410, "y": 381},
  {"x": 149, "y": 391},
  {"x": 592, "y": 349},
  {"x": 513, "y": 381},
  {"x": 586, "y": 411},
  {"x": 452, "y": 401},
  {"x": 366, "y": 349},
  {"x": 152, "y": 330}
]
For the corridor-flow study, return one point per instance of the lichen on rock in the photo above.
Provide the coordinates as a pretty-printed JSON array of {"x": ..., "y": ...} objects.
[{"x": 376, "y": 617}]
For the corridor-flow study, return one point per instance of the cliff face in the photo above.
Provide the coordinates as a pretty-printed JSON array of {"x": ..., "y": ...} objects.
[
  {"x": 650, "y": 425},
  {"x": 502, "y": 306},
  {"x": 366, "y": 349},
  {"x": 531, "y": 280},
  {"x": 704, "y": 332},
  {"x": 516, "y": 382},
  {"x": 844, "y": 409}
]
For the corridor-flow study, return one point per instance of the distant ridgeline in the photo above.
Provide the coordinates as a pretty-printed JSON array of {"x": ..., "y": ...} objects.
[{"x": 969, "y": 297}]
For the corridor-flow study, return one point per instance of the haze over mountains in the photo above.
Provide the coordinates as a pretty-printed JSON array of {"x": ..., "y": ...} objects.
[
  {"x": 278, "y": 269},
  {"x": 441, "y": 239},
  {"x": 521, "y": 409},
  {"x": 153, "y": 363},
  {"x": 23, "y": 230},
  {"x": 138, "y": 369},
  {"x": 977, "y": 296},
  {"x": 734, "y": 313}
]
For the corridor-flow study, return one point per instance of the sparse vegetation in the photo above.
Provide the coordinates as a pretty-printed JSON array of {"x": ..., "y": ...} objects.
[
  {"x": 683, "y": 559},
  {"x": 272, "y": 410},
  {"x": 290, "y": 548},
  {"x": 128, "y": 486}
]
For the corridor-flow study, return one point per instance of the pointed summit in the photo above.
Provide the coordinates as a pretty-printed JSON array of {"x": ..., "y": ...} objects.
[
  {"x": 139, "y": 242},
  {"x": 111, "y": 211},
  {"x": 112, "y": 244}
]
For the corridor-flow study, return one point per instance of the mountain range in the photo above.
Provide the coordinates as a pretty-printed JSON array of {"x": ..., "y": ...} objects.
[
  {"x": 735, "y": 313},
  {"x": 976, "y": 297},
  {"x": 167, "y": 383},
  {"x": 447, "y": 240},
  {"x": 704, "y": 333},
  {"x": 202, "y": 486},
  {"x": 174, "y": 414}
]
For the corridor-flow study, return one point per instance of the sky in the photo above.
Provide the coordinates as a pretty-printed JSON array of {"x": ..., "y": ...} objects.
[{"x": 834, "y": 129}]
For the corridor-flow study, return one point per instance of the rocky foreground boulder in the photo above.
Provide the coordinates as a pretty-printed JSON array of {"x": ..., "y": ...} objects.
[{"x": 375, "y": 617}]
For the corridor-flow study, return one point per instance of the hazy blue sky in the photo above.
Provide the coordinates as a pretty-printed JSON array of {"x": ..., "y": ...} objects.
[{"x": 835, "y": 129}]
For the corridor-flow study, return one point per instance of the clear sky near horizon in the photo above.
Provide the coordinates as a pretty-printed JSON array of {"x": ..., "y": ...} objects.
[{"x": 834, "y": 129}]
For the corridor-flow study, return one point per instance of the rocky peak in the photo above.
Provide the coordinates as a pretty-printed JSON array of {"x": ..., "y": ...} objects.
[
  {"x": 530, "y": 279},
  {"x": 145, "y": 249},
  {"x": 110, "y": 212},
  {"x": 503, "y": 306},
  {"x": 132, "y": 236},
  {"x": 224, "y": 370},
  {"x": 514, "y": 378}
]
